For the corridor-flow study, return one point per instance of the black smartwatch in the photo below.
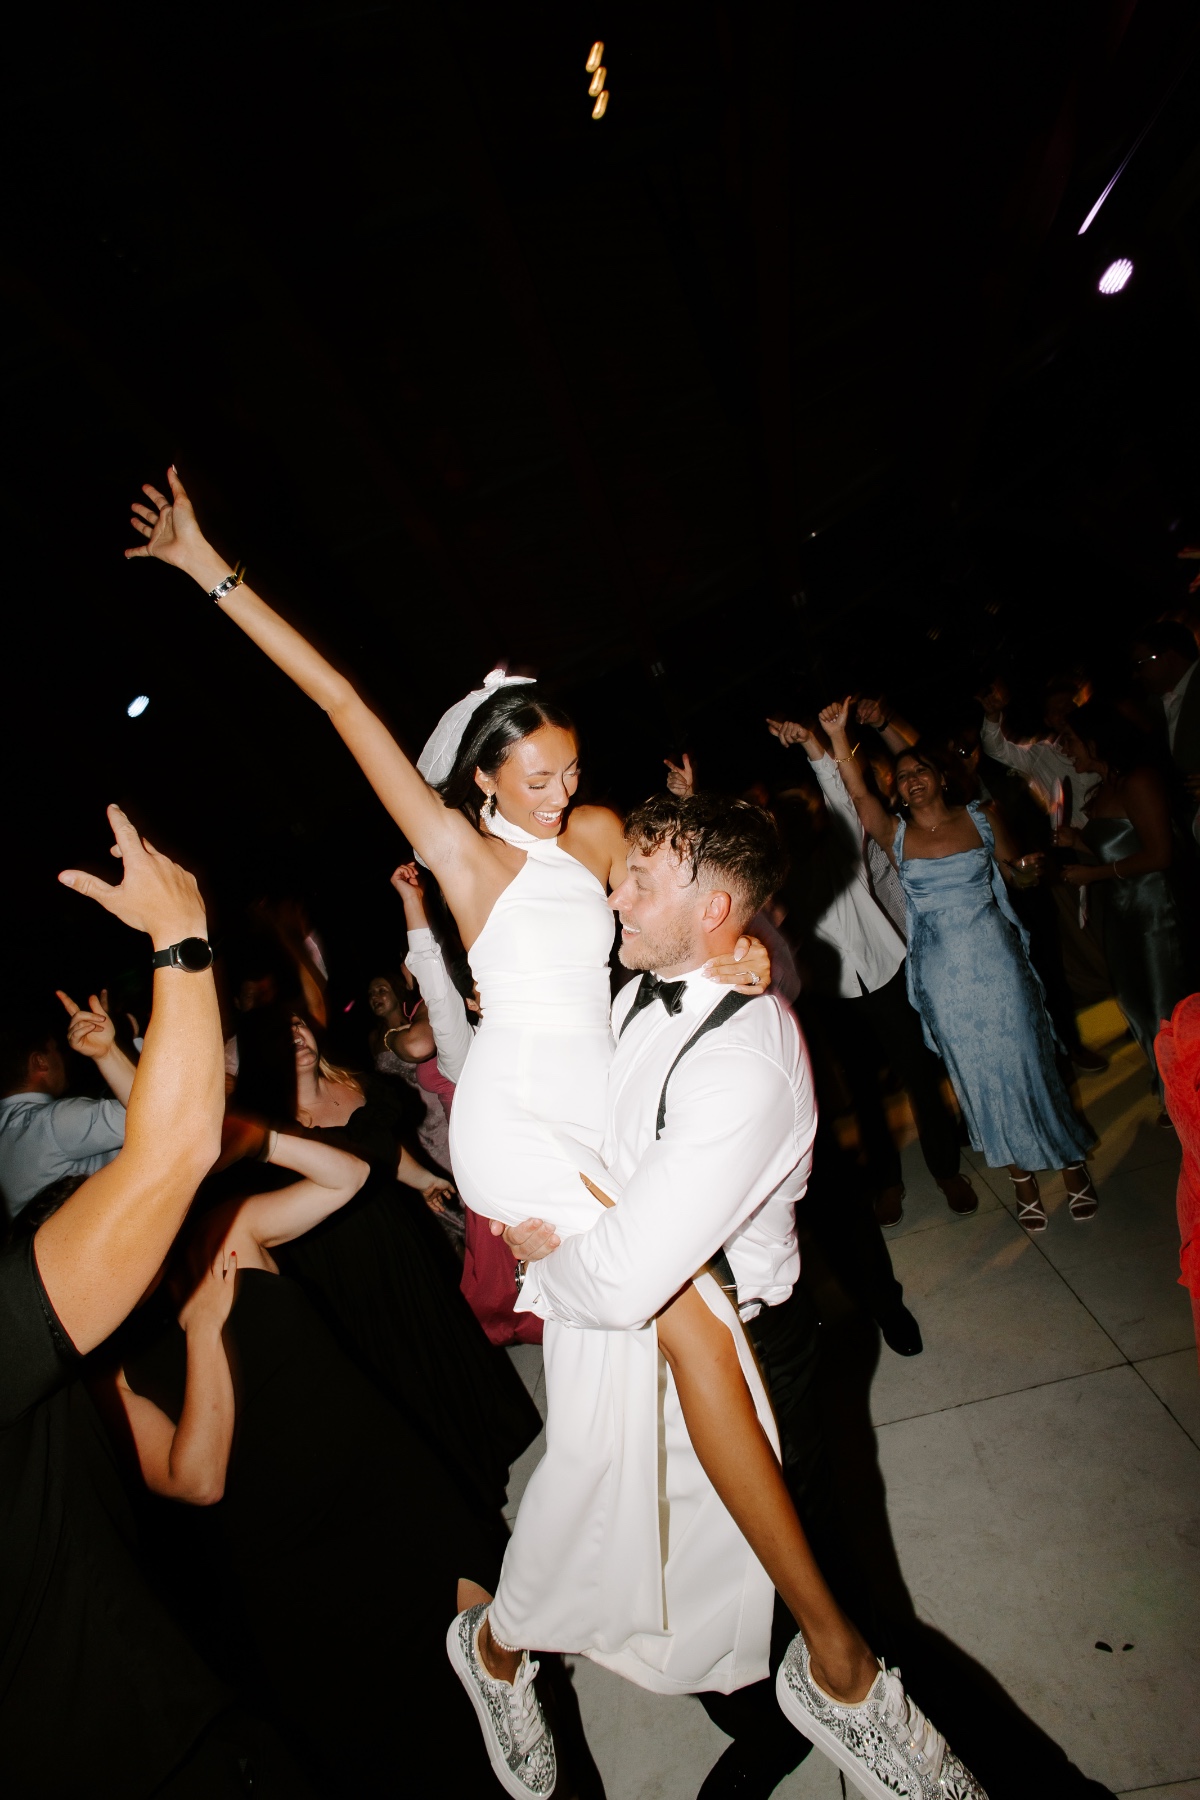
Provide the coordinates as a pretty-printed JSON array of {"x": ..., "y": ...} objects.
[{"x": 193, "y": 954}]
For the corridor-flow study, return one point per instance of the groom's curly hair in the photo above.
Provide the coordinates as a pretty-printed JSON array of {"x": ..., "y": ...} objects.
[{"x": 728, "y": 844}]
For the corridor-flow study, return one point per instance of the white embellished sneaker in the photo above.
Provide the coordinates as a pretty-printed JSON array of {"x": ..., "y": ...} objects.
[
  {"x": 884, "y": 1745},
  {"x": 514, "y": 1728}
]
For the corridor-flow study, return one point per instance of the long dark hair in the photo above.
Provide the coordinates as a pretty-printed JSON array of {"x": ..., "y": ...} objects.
[
  {"x": 1112, "y": 737},
  {"x": 499, "y": 722}
]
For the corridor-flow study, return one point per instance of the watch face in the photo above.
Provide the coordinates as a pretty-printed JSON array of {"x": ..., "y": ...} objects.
[{"x": 193, "y": 954}]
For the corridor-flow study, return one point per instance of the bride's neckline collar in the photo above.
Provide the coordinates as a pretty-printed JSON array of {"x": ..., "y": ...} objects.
[{"x": 497, "y": 826}]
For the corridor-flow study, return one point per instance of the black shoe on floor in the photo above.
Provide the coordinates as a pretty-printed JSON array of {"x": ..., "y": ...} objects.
[
  {"x": 889, "y": 1205},
  {"x": 901, "y": 1333},
  {"x": 961, "y": 1197}
]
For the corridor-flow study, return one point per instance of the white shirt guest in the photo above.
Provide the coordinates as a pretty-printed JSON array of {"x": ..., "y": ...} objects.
[{"x": 1045, "y": 769}]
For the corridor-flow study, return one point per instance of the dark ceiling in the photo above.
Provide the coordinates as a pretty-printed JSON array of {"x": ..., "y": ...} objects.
[{"x": 790, "y": 372}]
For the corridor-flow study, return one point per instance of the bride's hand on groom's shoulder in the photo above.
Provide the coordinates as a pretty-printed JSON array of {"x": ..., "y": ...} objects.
[{"x": 530, "y": 1240}]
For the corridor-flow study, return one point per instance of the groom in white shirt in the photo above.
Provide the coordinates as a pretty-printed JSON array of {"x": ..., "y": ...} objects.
[
  {"x": 739, "y": 1111},
  {"x": 708, "y": 1143}
]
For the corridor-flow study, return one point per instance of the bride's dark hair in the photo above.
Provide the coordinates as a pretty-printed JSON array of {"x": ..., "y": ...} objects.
[{"x": 499, "y": 722}]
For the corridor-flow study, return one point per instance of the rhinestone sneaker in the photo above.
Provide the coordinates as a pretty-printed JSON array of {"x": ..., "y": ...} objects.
[
  {"x": 884, "y": 1745},
  {"x": 514, "y": 1728}
]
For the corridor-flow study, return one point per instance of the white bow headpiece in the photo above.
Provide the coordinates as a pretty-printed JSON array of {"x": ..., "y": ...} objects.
[{"x": 441, "y": 750}]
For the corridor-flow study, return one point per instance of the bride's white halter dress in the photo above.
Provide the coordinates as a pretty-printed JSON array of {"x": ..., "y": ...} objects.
[{"x": 621, "y": 1550}]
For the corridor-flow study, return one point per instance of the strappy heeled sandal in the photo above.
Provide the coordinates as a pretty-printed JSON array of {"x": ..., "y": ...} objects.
[
  {"x": 1030, "y": 1213},
  {"x": 1085, "y": 1203}
]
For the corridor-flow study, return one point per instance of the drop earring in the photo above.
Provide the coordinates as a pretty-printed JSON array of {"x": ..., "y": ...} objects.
[{"x": 491, "y": 806}]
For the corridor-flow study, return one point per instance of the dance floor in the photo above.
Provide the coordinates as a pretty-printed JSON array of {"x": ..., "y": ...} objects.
[{"x": 1031, "y": 1484}]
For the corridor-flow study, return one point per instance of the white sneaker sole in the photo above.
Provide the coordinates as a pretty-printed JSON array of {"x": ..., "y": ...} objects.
[
  {"x": 504, "y": 1775},
  {"x": 829, "y": 1745}
]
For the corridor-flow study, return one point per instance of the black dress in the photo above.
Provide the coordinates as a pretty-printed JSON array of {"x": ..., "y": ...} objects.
[
  {"x": 99, "y": 1692},
  {"x": 346, "y": 1538},
  {"x": 386, "y": 1283}
]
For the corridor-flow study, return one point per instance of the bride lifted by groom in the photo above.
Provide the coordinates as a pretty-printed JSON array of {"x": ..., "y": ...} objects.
[{"x": 663, "y": 1574}]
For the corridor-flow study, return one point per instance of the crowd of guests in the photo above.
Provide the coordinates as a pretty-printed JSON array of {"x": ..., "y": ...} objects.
[{"x": 342, "y": 1438}]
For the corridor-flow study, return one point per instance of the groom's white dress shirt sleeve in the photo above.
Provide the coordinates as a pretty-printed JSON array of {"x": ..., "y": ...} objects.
[{"x": 732, "y": 1160}]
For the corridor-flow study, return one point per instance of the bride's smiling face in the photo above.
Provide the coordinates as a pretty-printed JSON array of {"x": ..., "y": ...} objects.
[{"x": 536, "y": 782}]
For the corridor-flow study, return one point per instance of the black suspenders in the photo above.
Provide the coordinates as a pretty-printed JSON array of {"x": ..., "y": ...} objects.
[{"x": 725, "y": 1009}]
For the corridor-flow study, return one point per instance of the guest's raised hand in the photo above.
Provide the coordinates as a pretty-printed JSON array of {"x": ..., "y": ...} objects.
[
  {"x": 169, "y": 525},
  {"x": 788, "y": 732},
  {"x": 91, "y": 1033},
  {"x": 155, "y": 895},
  {"x": 834, "y": 716},
  {"x": 408, "y": 884},
  {"x": 994, "y": 699},
  {"x": 211, "y": 1301},
  {"x": 872, "y": 713},
  {"x": 681, "y": 781}
]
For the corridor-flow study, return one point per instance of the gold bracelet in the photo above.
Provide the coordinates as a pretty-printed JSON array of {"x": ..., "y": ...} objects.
[{"x": 850, "y": 758}]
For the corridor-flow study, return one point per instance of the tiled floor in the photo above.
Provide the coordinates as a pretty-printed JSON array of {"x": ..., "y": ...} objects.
[{"x": 1040, "y": 1468}]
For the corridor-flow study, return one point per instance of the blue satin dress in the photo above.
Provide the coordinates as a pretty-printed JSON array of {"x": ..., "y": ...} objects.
[
  {"x": 1142, "y": 934},
  {"x": 983, "y": 1008}
]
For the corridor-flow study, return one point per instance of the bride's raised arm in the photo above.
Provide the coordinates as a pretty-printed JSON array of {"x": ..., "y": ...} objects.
[{"x": 173, "y": 535}]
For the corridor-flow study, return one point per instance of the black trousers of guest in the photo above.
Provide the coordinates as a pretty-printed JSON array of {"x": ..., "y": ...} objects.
[
  {"x": 838, "y": 1211},
  {"x": 237, "y": 1757},
  {"x": 884, "y": 1020}
]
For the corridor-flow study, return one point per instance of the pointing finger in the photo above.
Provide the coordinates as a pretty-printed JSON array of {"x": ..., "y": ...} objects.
[
  {"x": 123, "y": 830},
  {"x": 66, "y": 999}
]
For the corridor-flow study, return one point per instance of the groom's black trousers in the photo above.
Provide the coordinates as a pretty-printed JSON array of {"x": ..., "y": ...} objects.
[{"x": 785, "y": 1342}]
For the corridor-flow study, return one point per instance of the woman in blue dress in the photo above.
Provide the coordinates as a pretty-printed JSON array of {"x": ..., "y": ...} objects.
[
  {"x": 970, "y": 977},
  {"x": 1129, "y": 829}
]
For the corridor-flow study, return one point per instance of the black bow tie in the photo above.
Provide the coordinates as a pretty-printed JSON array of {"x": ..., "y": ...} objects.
[{"x": 651, "y": 989}]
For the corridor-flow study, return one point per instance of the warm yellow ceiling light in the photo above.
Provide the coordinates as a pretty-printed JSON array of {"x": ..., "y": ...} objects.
[
  {"x": 597, "y": 83},
  {"x": 601, "y": 106},
  {"x": 594, "y": 57}
]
